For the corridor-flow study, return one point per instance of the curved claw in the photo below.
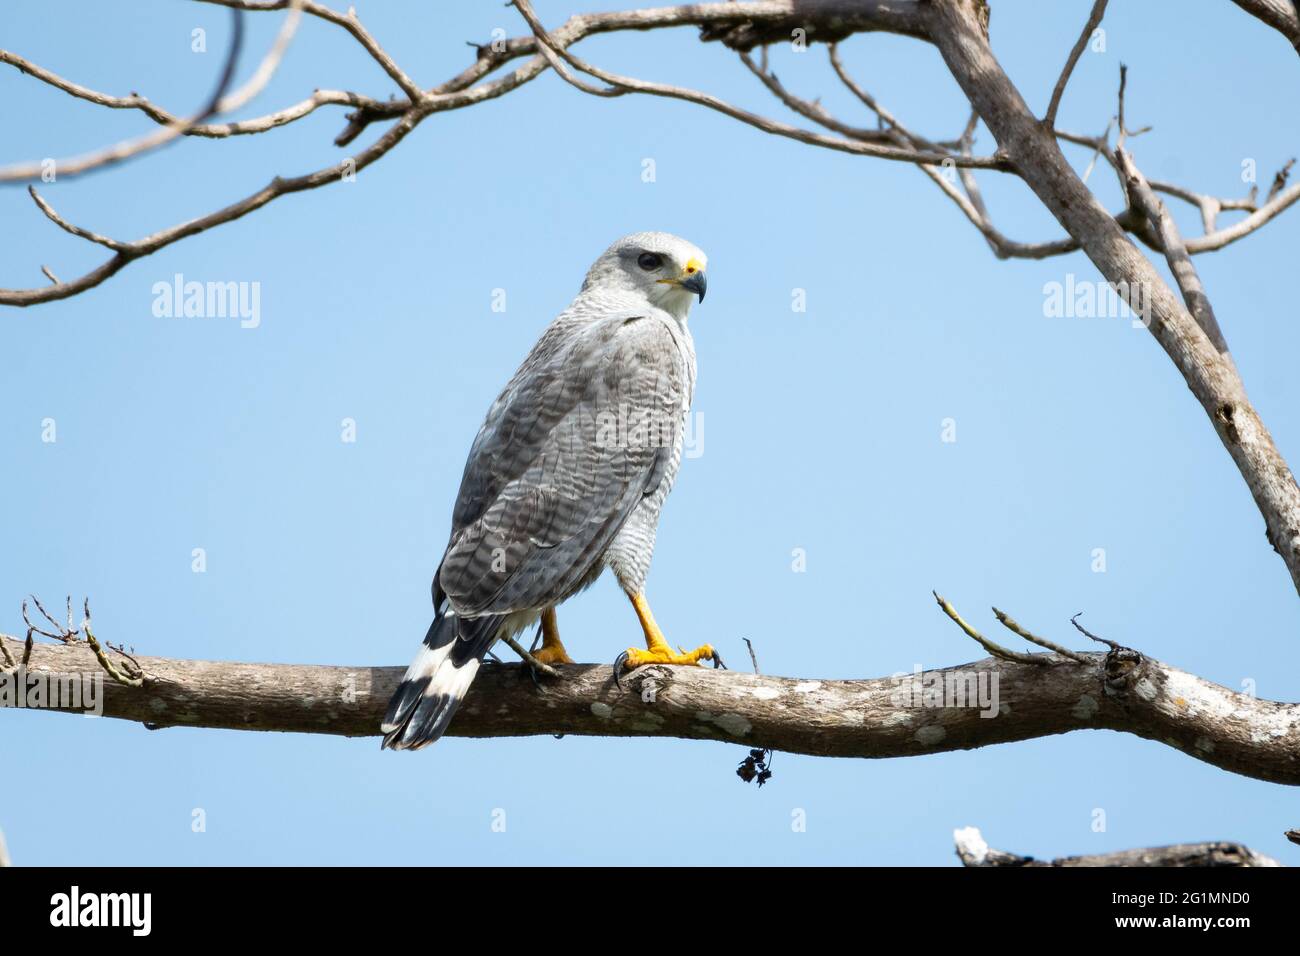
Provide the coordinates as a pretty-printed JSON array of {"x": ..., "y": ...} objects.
[
  {"x": 618, "y": 669},
  {"x": 532, "y": 671}
]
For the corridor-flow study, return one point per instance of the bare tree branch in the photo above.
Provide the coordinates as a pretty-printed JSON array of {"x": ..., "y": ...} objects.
[
  {"x": 1282, "y": 15},
  {"x": 997, "y": 650},
  {"x": 1011, "y": 625},
  {"x": 1037, "y": 694},
  {"x": 1094, "y": 21},
  {"x": 1220, "y": 238},
  {"x": 972, "y": 205},
  {"x": 958, "y": 28},
  {"x": 812, "y": 110},
  {"x": 260, "y": 124},
  {"x": 959, "y": 33},
  {"x": 741, "y": 26},
  {"x": 626, "y": 84},
  {"x": 77, "y": 231},
  {"x": 130, "y": 251},
  {"x": 1180, "y": 263},
  {"x": 1278, "y": 201},
  {"x": 973, "y": 851},
  {"x": 349, "y": 22},
  {"x": 882, "y": 717},
  {"x": 456, "y": 93},
  {"x": 119, "y": 152}
]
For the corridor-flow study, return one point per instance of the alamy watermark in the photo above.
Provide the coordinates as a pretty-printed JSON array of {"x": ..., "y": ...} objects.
[
  {"x": 182, "y": 299},
  {"x": 133, "y": 911},
  {"x": 628, "y": 427},
  {"x": 1097, "y": 299},
  {"x": 53, "y": 690},
  {"x": 949, "y": 688}
]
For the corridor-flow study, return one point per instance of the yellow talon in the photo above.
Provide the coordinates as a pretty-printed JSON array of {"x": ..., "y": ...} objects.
[
  {"x": 657, "y": 649},
  {"x": 636, "y": 657},
  {"x": 552, "y": 655},
  {"x": 551, "y": 651}
]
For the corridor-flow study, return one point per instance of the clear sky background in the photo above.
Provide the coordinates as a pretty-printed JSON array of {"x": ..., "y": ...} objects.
[{"x": 821, "y": 431}]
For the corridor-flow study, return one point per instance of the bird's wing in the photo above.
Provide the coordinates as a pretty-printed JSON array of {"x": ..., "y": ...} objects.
[{"x": 582, "y": 432}]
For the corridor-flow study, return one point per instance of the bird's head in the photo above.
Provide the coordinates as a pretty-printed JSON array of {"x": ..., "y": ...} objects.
[{"x": 667, "y": 271}]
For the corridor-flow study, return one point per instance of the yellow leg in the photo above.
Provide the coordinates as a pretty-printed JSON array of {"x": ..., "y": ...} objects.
[
  {"x": 657, "y": 649},
  {"x": 551, "y": 651}
]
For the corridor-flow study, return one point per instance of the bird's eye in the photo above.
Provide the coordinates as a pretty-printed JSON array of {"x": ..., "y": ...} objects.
[{"x": 649, "y": 261}]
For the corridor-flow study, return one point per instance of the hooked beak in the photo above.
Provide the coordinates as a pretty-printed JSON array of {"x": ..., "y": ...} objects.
[
  {"x": 696, "y": 282},
  {"x": 692, "y": 279}
]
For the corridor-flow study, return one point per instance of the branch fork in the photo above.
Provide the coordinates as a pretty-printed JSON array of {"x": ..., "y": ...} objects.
[{"x": 127, "y": 672}]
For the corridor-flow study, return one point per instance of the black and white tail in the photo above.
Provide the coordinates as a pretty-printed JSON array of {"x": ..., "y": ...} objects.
[{"x": 425, "y": 701}]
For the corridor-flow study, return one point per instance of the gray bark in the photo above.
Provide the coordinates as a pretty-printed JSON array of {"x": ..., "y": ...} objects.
[
  {"x": 879, "y": 717},
  {"x": 974, "y": 852},
  {"x": 1282, "y": 15},
  {"x": 958, "y": 29}
]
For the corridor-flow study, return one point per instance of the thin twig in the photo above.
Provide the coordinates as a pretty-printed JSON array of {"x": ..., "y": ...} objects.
[
  {"x": 349, "y": 22},
  {"x": 1102, "y": 147},
  {"x": 739, "y": 25},
  {"x": 1189, "y": 283},
  {"x": 1007, "y": 621},
  {"x": 65, "y": 168},
  {"x": 68, "y": 227},
  {"x": 537, "y": 665},
  {"x": 811, "y": 109},
  {"x": 128, "y": 679},
  {"x": 630, "y": 84},
  {"x": 997, "y": 650},
  {"x": 1124, "y": 131},
  {"x": 1113, "y": 645},
  {"x": 1094, "y": 21},
  {"x": 131, "y": 676},
  {"x": 279, "y": 186},
  {"x": 259, "y": 124}
]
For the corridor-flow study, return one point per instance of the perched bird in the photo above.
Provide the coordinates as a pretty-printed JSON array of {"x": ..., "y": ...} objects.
[{"x": 566, "y": 477}]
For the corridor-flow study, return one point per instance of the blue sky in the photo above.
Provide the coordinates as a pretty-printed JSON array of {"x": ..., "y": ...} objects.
[{"x": 821, "y": 431}]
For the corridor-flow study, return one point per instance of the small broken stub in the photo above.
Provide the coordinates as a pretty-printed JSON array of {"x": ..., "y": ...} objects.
[{"x": 1122, "y": 669}]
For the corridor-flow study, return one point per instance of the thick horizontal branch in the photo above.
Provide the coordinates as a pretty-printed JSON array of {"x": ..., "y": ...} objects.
[
  {"x": 880, "y": 717},
  {"x": 973, "y": 851}
]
